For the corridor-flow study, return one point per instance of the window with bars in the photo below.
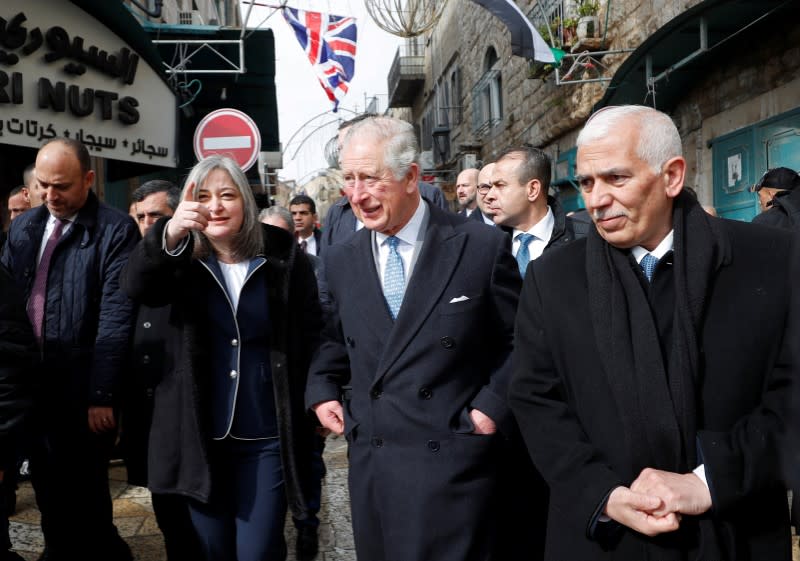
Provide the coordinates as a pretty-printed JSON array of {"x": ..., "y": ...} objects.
[{"x": 487, "y": 95}]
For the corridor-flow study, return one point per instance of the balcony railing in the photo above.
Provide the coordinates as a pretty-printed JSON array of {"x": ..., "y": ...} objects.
[{"x": 406, "y": 74}]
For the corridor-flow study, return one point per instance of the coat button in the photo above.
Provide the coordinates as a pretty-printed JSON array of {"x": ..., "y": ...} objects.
[
  {"x": 376, "y": 392},
  {"x": 147, "y": 325},
  {"x": 350, "y": 342},
  {"x": 146, "y": 359},
  {"x": 234, "y": 343},
  {"x": 232, "y": 374},
  {"x": 433, "y": 445},
  {"x": 377, "y": 441},
  {"x": 425, "y": 393},
  {"x": 447, "y": 342}
]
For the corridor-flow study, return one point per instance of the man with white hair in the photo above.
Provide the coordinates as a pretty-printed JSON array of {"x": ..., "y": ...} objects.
[
  {"x": 414, "y": 364},
  {"x": 649, "y": 405}
]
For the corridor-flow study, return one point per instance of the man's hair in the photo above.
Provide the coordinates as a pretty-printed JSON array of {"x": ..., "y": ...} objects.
[
  {"x": 356, "y": 119},
  {"x": 535, "y": 164},
  {"x": 78, "y": 148},
  {"x": 400, "y": 148},
  {"x": 27, "y": 174},
  {"x": 304, "y": 200},
  {"x": 17, "y": 190},
  {"x": 280, "y": 212},
  {"x": 658, "y": 140},
  {"x": 248, "y": 242},
  {"x": 158, "y": 186}
]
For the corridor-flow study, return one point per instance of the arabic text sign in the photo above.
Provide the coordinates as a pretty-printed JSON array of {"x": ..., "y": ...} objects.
[
  {"x": 62, "y": 73},
  {"x": 228, "y": 132}
]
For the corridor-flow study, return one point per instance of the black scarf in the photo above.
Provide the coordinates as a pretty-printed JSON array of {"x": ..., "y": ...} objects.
[{"x": 658, "y": 408}]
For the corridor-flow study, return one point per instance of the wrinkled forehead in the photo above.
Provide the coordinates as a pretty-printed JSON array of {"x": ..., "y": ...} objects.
[
  {"x": 363, "y": 155},
  {"x": 485, "y": 175}
]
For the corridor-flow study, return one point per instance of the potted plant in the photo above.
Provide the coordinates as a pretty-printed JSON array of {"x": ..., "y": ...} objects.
[
  {"x": 588, "y": 22},
  {"x": 570, "y": 30}
]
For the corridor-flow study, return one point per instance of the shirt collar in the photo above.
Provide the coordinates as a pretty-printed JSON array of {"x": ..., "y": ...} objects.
[
  {"x": 661, "y": 249},
  {"x": 51, "y": 220},
  {"x": 408, "y": 233},
  {"x": 543, "y": 229}
]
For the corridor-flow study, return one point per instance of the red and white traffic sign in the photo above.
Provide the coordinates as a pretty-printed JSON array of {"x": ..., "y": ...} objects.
[{"x": 228, "y": 132}]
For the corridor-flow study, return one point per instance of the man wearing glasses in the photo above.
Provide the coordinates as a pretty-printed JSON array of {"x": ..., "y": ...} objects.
[{"x": 484, "y": 184}]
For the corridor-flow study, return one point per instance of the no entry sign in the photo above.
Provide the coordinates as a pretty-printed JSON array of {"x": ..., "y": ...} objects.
[{"x": 228, "y": 132}]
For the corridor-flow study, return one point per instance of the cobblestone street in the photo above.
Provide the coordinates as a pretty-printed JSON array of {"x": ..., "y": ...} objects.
[{"x": 133, "y": 515}]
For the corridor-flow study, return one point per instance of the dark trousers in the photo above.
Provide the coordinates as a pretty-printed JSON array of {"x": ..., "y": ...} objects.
[
  {"x": 69, "y": 471},
  {"x": 175, "y": 523},
  {"x": 314, "y": 485},
  {"x": 244, "y": 518}
]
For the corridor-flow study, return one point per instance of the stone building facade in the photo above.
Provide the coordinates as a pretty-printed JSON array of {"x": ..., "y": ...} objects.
[{"x": 728, "y": 71}]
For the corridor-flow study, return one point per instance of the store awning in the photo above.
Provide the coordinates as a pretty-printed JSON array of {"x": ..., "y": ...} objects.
[{"x": 686, "y": 49}]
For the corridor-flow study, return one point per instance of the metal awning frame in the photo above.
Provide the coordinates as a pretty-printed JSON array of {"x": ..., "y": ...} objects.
[
  {"x": 583, "y": 58},
  {"x": 194, "y": 46}
]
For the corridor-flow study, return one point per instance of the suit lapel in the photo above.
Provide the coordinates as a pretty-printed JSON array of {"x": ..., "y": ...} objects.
[
  {"x": 437, "y": 261},
  {"x": 367, "y": 294}
]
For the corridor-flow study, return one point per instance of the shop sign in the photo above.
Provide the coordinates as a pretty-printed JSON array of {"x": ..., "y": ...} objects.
[{"x": 62, "y": 73}]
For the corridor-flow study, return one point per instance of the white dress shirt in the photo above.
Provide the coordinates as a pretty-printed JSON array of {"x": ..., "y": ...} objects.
[
  {"x": 542, "y": 231},
  {"x": 311, "y": 243},
  {"x": 48, "y": 229},
  {"x": 408, "y": 236},
  {"x": 660, "y": 250}
]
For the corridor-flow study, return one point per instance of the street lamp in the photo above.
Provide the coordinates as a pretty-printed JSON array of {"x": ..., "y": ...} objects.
[{"x": 441, "y": 143}]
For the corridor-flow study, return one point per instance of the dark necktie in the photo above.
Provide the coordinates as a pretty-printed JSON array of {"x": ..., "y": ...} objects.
[
  {"x": 36, "y": 301},
  {"x": 303, "y": 246},
  {"x": 648, "y": 265}
]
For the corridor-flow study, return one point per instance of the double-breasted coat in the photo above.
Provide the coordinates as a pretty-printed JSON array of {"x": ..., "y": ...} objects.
[{"x": 421, "y": 484}]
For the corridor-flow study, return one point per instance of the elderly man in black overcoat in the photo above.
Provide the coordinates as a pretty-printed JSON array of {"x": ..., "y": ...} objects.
[
  {"x": 649, "y": 404},
  {"x": 418, "y": 348}
]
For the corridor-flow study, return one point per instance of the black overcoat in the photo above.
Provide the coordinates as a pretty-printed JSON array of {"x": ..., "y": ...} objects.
[
  {"x": 180, "y": 437},
  {"x": 565, "y": 407}
]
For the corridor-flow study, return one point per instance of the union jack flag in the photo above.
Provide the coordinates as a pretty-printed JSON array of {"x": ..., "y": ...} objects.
[{"x": 330, "y": 45}]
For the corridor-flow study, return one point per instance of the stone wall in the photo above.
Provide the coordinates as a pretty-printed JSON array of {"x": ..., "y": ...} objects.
[
  {"x": 534, "y": 110},
  {"x": 751, "y": 82}
]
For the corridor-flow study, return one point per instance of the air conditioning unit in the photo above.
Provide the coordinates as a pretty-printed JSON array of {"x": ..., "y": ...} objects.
[
  {"x": 467, "y": 161},
  {"x": 190, "y": 18}
]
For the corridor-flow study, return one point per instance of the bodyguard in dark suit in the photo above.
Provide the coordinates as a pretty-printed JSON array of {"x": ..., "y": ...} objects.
[
  {"x": 648, "y": 404},
  {"x": 66, "y": 257},
  {"x": 467, "y": 192},
  {"x": 149, "y": 364},
  {"x": 415, "y": 361},
  {"x": 519, "y": 202},
  {"x": 304, "y": 216}
]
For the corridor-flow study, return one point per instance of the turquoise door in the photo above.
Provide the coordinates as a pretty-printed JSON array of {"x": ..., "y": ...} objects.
[
  {"x": 742, "y": 157},
  {"x": 734, "y": 173}
]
